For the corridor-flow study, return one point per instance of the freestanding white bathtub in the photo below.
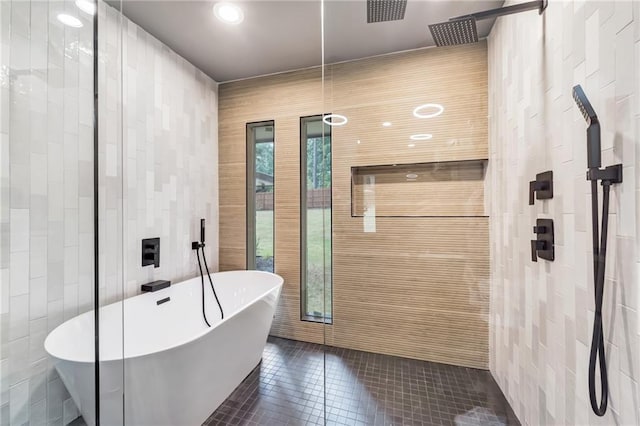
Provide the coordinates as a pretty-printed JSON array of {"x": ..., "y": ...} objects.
[{"x": 172, "y": 368}]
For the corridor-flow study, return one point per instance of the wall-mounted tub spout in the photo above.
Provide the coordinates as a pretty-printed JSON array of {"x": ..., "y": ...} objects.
[{"x": 608, "y": 176}]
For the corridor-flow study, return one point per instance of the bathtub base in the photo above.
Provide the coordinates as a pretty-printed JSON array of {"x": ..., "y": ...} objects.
[{"x": 184, "y": 386}]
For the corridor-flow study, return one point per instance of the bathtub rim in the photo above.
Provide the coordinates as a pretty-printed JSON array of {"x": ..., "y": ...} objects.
[{"x": 173, "y": 346}]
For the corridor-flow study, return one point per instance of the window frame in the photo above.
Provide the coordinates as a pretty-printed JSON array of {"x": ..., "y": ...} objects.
[
  {"x": 250, "y": 211},
  {"x": 304, "y": 315}
]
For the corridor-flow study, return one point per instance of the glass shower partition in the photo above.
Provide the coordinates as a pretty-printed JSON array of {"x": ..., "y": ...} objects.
[
  {"x": 49, "y": 292},
  {"x": 410, "y": 229},
  {"x": 111, "y": 386}
]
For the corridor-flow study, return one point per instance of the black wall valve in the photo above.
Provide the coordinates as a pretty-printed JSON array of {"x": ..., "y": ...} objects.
[
  {"x": 543, "y": 245},
  {"x": 541, "y": 188},
  {"x": 151, "y": 252}
]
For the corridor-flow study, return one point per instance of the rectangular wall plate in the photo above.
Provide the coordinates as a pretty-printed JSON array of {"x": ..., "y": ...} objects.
[
  {"x": 151, "y": 252},
  {"x": 548, "y": 237}
]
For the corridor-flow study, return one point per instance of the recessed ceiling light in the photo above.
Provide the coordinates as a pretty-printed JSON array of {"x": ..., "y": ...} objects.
[
  {"x": 421, "y": 137},
  {"x": 358, "y": 142},
  {"x": 411, "y": 145},
  {"x": 437, "y": 110},
  {"x": 86, "y": 6},
  {"x": 70, "y": 21},
  {"x": 228, "y": 13},
  {"x": 387, "y": 124},
  {"x": 412, "y": 176},
  {"x": 335, "y": 120}
]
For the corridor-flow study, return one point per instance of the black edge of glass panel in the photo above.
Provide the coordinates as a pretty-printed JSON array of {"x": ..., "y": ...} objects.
[
  {"x": 303, "y": 218},
  {"x": 249, "y": 176},
  {"x": 484, "y": 161},
  {"x": 329, "y": 320},
  {"x": 96, "y": 276},
  {"x": 273, "y": 189}
]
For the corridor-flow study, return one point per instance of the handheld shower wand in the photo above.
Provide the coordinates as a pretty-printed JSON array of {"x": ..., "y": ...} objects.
[
  {"x": 608, "y": 176},
  {"x": 197, "y": 246},
  {"x": 593, "y": 131}
]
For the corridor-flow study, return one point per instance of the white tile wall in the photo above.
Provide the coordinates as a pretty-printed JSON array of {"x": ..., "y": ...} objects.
[
  {"x": 169, "y": 181},
  {"x": 164, "y": 163},
  {"x": 39, "y": 176},
  {"x": 542, "y": 313}
]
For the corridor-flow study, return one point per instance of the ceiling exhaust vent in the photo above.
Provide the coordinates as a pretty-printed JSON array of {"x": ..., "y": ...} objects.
[{"x": 385, "y": 10}]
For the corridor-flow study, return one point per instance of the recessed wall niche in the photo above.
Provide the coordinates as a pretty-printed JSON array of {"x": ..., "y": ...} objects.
[{"x": 447, "y": 188}]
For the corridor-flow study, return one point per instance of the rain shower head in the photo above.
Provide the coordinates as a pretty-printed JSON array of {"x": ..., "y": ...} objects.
[
  {"x": 453, "y": 33},
  {"x": 584, "y": 105},
  {"x": 385, "y": 10},
  {"x": 463, "y": 30}
]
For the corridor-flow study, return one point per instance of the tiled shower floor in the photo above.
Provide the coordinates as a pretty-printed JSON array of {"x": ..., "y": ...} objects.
[{"x": 287, "y": 388}]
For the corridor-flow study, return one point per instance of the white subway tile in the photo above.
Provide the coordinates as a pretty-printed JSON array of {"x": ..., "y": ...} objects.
[
  {"x": 70, "y": 173},
  {"x": 55, "y": 279},
  {"x": 70, "y": 301},
  {"x": 4, "y": 288},
  {"x": 111, "y": 158},
  {"x": 636, "y": 20},
  {"x": 18, "y": 316},
  {"x": 85, "y": 215},
  {"x": 85, "y": 178},
  {"x": 38, "y": 298},
  {"x": 592, "y": 40},
  {"x": 55, "y": 242},
  {"x": 38, "y": 174},
  {"x": 19, "y": 230},
  {"x": 70, "y": 412},
  {"x": 629, "y": 400},
  {"x": 19, "y": 356},
  {"x": 607, "y": 60},
  {"x": 38, "y": 216},
  {"x": 20, "y": 52},
  {"x": 623, "y": 14},
  {"x": 626, "y": 196},
  {"x": 19, "y": 273},
  {"x": 37, "y": 335},
  {"x": 55, "y": 314},
  {"x": 38, "y": 413},
  {"x": 71, "y": 265},
  {"x": 71, "y": 227},
  {"x": 85, "y": 143},
  {"x": 20, "y": 187},
  {"x": 624, "y": 53},
  {"x": 19, "y": 403}
]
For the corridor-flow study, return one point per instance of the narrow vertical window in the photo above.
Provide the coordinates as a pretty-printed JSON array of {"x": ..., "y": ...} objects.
[
  {"x": 260, "y": 191},
  {"x": 315, "y": 219}
]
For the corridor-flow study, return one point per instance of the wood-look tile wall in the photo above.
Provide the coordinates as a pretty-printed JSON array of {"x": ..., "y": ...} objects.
[{"x": 417, "y": 286}]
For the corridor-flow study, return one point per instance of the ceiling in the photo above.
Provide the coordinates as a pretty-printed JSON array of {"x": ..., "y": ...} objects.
[{"x": 279, "y": 35}]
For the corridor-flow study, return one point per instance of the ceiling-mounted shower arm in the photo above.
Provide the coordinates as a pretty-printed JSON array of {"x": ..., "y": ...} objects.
[
  {"x": 463, "y": 30},
  {"x": 541, "y": 5}
]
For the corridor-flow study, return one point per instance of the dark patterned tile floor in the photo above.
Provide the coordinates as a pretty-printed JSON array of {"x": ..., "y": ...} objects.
[{"x": 288, "y": 388}]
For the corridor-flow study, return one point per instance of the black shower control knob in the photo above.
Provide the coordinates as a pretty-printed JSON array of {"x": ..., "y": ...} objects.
[{"x": 541, "y": 188}]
